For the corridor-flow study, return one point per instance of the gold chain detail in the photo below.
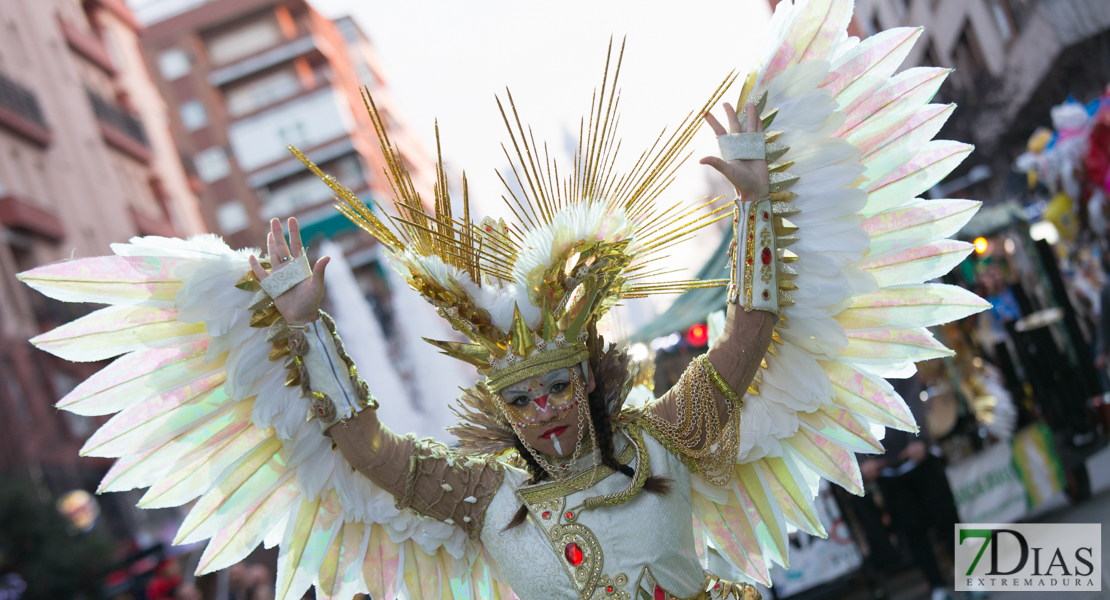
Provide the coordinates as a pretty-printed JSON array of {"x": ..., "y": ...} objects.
[{"x": 698, "y": 434}]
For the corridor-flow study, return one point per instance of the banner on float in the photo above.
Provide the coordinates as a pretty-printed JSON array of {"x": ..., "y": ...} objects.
[
  {"x": 987, "y": 487},
  {"x": 1008, "y": 481}
]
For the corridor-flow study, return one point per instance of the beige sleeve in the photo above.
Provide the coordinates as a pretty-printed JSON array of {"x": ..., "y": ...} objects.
[
  {"x": 422, "y": 475},
  {"x": 684, "y": 417}
]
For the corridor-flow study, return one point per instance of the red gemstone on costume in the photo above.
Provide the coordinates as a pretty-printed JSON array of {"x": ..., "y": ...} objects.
[
  {"x": 766, "y": 294},
  {"x": 766, "y": 215},
  {"x": 765, "y": 256},
  {"x": 751, "y": 218},
  {"x": 574, "y": 554},
  {"x": 750, "y": 261},
  {"x": 609, "y": 589},
  {"x": 546, "y": 514},
  {"x": 659, "y": 593},
  {"x": 570, "y": 515}
]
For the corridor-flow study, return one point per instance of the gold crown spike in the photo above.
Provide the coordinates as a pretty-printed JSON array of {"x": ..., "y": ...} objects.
[{"x": 473, "y": 354}]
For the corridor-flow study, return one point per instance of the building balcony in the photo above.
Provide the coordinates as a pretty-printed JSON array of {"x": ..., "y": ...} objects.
[
  {"x": 21, "y": 114},
  {"x": 87, "y": 45},
  {"x": 262, "y": 61},
  {"x": 20, "y": 214},
  {"x": 150, "y": 225},
  {"x": 292, "y": 165},
  {"x": 120, "y": 129}
]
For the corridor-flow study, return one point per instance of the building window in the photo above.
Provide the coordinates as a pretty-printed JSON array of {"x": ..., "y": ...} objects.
[
  {"x": 306, "y": 121},
  {"x": 366, "y": 75},
  {"x": 263, "y": 91},
  {"x": 293, "y": 134},
  {"x": 193, "y": 115},
  {"x": 212, "y": 164},
  {"x": 231, "y": 216},
  {"x": 244, "y": 41},
  {"x": 174, "y": 64}
]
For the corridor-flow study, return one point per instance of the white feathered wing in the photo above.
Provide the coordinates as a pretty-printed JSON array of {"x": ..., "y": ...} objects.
[
  {"x": 860, "y": 142},
  {"x": 203, "y": 414}
]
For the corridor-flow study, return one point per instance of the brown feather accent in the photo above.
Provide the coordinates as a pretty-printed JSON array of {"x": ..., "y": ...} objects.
[
  {"x": 610, "y": 367},
  {"x": 481, "y": 428}
]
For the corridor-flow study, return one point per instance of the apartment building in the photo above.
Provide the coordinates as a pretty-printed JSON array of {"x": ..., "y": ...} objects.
[
  {"x": 86, "y": 159},
  {"x": 245, "y": 79}
]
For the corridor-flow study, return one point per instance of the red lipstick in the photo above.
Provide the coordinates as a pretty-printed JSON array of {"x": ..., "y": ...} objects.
[{"x": 553, "y": 432}]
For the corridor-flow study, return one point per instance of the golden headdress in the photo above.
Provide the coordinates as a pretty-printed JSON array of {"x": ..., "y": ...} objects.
[{"x": 524, "y": 293}]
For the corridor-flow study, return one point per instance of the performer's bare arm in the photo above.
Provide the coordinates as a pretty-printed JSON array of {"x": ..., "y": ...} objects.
[{"x": 419, "y": 474}]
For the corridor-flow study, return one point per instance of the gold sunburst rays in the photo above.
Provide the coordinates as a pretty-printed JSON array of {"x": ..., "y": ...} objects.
[
  {"x": 540, "y": 193},
  {"x": 674, "y": 287},
  {"x": 490, "y": 249},
  {"x": 455, "y": 240}
]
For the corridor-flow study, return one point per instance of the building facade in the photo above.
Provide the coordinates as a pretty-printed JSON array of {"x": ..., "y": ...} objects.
[
  {"x": 247, "y": 78},
  {"x": 86, "y": 159}
]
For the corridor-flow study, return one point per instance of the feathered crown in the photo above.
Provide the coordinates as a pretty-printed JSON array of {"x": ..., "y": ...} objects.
[{"x": 525, "y": 293}]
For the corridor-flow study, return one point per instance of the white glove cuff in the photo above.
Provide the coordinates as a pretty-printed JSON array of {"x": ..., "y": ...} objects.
[
  {"x": 324, "y": 372},
  {"x": 287, "y": 276},
  {"x": 743, "y": 146}
]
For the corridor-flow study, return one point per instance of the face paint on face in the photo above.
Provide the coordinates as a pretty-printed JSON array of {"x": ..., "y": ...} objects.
[{"x": 539, "y": 400}]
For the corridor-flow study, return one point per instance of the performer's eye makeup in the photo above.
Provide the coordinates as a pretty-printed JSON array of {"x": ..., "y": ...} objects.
[
  {"x": 559, "y": 387},
  {"x": 520, "y": 401}
]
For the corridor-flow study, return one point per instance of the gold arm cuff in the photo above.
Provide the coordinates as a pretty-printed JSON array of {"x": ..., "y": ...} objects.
[{"x": 719, "y": 381}]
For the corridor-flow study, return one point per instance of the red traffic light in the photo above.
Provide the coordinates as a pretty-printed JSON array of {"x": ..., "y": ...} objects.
[{"x": 698, "y": 335}]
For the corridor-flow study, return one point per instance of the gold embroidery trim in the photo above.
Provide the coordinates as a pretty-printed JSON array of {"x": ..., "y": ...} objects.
[
  {"x": 538, "y": 363},
  {"x": 712, "y": 588},
  {"x": 643, "y": 471},
  {"x": 552, "y": 490},
  {"x": 749, "y": 253}
]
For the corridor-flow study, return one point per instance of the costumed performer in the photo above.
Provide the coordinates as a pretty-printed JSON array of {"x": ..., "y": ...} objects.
[{"x": 557, "y": 491}]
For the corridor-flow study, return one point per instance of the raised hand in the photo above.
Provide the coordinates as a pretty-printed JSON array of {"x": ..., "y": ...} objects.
[
  {"x": 301, "y": 304},
  {"x": 749, "y": 177}
]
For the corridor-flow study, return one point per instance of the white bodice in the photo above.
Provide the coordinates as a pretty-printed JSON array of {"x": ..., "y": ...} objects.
[{"x": 647, "y": 540}]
